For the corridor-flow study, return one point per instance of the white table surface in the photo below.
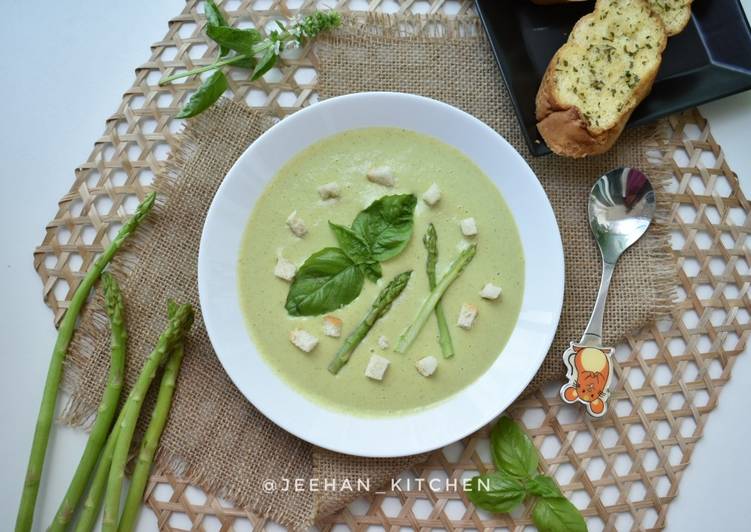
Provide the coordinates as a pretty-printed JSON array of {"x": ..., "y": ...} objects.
[{"x": 64, "y": 73}]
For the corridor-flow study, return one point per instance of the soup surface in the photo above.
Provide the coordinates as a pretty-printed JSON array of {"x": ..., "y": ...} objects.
[{"x": 417, "y": 161}]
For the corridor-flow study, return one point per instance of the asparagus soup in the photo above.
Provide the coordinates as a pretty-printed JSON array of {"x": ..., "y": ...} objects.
[{"x": 324, "y": 272}]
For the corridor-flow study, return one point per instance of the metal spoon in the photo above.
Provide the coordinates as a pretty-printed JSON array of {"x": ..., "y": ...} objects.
[{"x": 621, "y": 207}]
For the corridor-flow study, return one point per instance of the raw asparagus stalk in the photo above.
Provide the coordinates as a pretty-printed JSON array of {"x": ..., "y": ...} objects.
[
  {"x": 380, "y": 306},
  {"x": 93, "y": 501},
  {"x": 150, "y": 441},
  {"x": 90, "y": 510},
  {"x": 54, "y": 373},
  {"x": 444, "y": 336},
  {"x": 170, "y": 338},
  {"x": 113, "y": 300},
  {"x": 457, "y": 267}
]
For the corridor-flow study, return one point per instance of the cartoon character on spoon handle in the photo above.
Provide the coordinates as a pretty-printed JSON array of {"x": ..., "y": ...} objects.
[{"x": 621, "y": 207}]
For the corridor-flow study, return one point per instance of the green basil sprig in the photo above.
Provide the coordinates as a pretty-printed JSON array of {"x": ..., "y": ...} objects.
[
  {"x": 334, "y": 277},
  {"x": 515, "y": 458},
  {"x": 208, "y": 93},
  {"x": 247, "y": 49}
]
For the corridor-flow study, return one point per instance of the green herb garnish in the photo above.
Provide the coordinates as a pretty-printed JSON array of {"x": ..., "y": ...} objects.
[
  {"x": 334, "y": 277},
  {"x": 515, "y": 480},
  {"x": 247, "y": 49}
]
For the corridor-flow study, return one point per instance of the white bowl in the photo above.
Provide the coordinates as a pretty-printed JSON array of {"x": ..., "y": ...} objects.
[{"x": 448, "y": 420}]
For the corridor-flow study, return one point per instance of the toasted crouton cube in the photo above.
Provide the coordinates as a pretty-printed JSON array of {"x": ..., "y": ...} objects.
[
  {"x": 383, "y": 175},
  {"x": 303, "y": 340},
  {"x": 383, "y": 342},
  {"x": 469, "y": 227},
  {"x": 467, "y": 315},
  {"x": 332, "y": 326},
  {"x": 284, "y": 269},
  {"x": 296, "y": 225},
  {"x": 432, "y": 195},
  {"x": 329, "y": 191},
  {"x": 377, "y": 366},
  {"x": 491, "y": 291},
  {"x": 427, "y": 366}
]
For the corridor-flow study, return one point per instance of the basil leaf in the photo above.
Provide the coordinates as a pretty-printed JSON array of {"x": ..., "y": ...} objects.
[
  {"x": 357, "y": 250},
  {"x": 372, "y": 270},
  {"x": 326, "y": 281},
  {"x": 214, "y": 14},
  {"x": 248, "y": 63},
  {"x": 557, "y": 515},
  {"x": 544, "y": 486},
  {"x": 208, "y": 93},
  {"x": 512, "y": 450},
  {"x": 351, "y": 243},
  {"x": 496, "y": 492},
  {"x": 241, "y": 41},
  {"x": 215, "y": 18},
  {"x": 264, "y": 64},
  {"x": 386, "y": 225}
]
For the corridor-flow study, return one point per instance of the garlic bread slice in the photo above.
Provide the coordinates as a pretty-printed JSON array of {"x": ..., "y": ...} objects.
[{"x": 595, "y": 81}]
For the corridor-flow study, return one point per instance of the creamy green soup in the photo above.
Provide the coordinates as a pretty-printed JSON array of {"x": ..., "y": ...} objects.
[{"x": 418, "y": 161}]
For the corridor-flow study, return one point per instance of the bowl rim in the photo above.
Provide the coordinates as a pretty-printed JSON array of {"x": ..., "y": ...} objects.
[{"x": 295, "y": 417}]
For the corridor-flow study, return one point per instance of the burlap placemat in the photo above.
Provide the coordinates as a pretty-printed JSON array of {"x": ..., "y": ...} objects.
[{"x": 214, "y": 435}]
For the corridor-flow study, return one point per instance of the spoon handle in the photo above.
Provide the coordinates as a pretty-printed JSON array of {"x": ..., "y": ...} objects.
[{"x": 593, "y": 333}]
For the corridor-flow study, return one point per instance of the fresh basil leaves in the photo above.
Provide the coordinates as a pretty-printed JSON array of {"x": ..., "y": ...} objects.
[
  {"x": 215, "y": 17},
  {"x": 326, "y": 281},
  {"x": 252, "y": 51},
  {"x": 241, "y": 41},
  {"x": 386, "y": 225},
  {"x": 501, "y": 491},
  {"x": 357, "y": 249},
  {"x": 333, "y": 277},
  {"x": 557, "y": 515},
  {"x": 208, "y": 93},
  {"x": 497, "y": 492},
  {"x": 512, "y": 449}
]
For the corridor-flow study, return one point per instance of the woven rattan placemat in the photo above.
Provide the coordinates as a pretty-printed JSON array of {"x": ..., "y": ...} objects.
[{"x": 622, "y": 471}]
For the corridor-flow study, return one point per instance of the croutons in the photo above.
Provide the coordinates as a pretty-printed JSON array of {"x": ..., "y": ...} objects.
[
  {"x": 383, "y": 342},
  {"x": 329, "y": 191},
  {"x": 377, "y": 366},
  {"x": 468, "y": 226},
  {"x": 332, "y": 326},
  {"x": 427, "y": 366},
  {"x": 303, "y": 340},
  {"x": 432, "y": 195},
  {"x": 490, "y": 291},
  {"x": 467, "y": 315},
  {"x": 284, "y": 269},
  {"x": 296, "y": 225},
  {"x": 383, "y": 175}
]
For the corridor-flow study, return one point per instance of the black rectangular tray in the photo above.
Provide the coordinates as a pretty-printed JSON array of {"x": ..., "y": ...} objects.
[{"x": 708, "y": 60}]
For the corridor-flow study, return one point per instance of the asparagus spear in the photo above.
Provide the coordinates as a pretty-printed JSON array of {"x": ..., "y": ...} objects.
[
  {"x": 444, "y": 336},
  {"x": 150, "y": 441},
  {"x": 170, "y": 338},
  {"x": 380, "y": 306},
  {"x": 113, "y": 300},
  {"x": 93, "y": 502},
  {"x": 54, "y": 373},
  {"x": 457, "y": 267}
]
